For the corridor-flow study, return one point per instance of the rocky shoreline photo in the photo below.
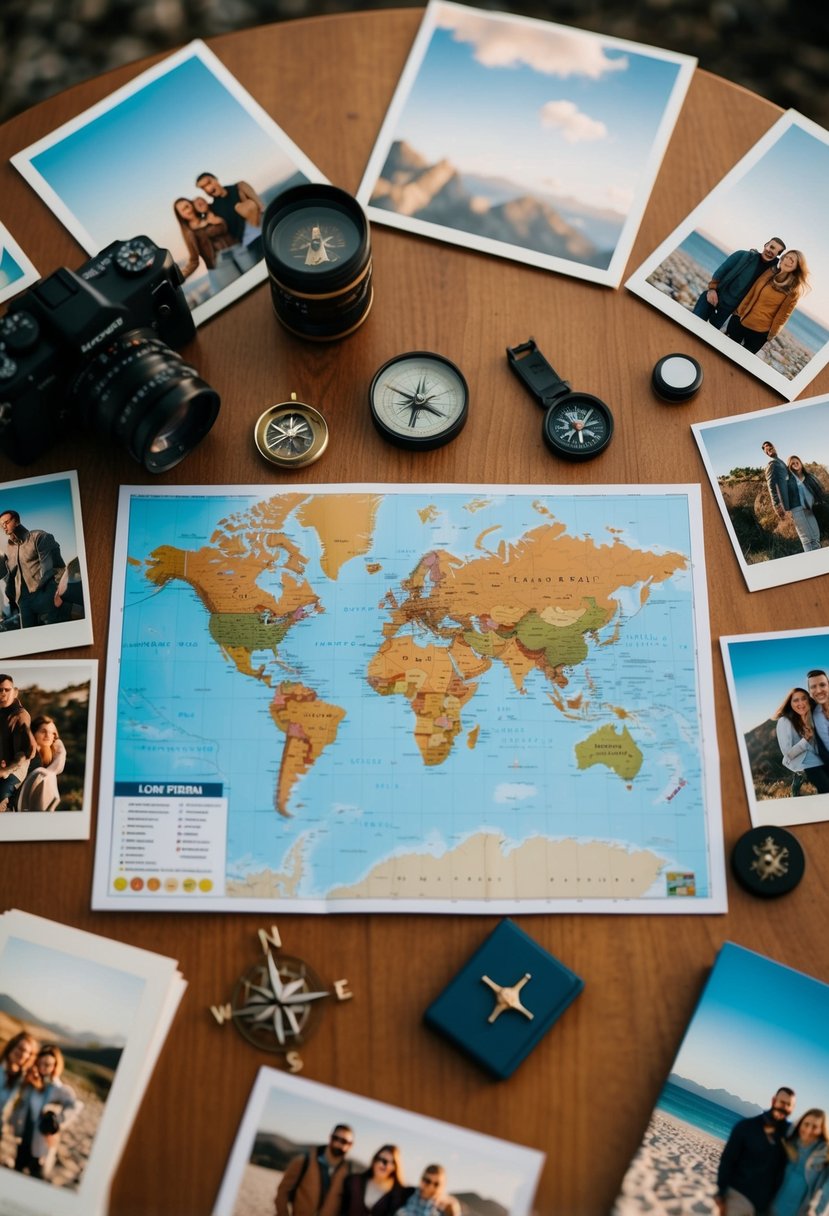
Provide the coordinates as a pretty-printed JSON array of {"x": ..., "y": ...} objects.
[{"x": 684, "y": 279}]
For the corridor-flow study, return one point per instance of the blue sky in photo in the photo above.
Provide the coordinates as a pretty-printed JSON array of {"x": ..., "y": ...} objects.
[
  {"x": 120, "y": 173},
  {"x": 801, "y": 431},
  {"x": 10, "y": 271},
  {"x": 759, "y": 1025},
  {"x": 46, "y": 505},
  {"x": 78, "y": 993},
  {"x": 488, "y": 119},
  {"x": 766, "y": 669},
  {"x": 784, "y": 194}
]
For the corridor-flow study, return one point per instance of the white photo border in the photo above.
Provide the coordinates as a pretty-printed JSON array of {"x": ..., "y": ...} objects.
[
  {"x": 759, "y": 576},
  {"x": 780, "y": 812},
  {"x": 30, "y": 275},
  {"x": 64, "y": 634},
  {"x": 163, "y": 990},
  {"x": 342, "y": 1104},
  {"x": 638, "y": 284},
  {"x": 23, "y": 160},
  {"x": 612, "y": 276},
  {"x": 62, "y": 825}
]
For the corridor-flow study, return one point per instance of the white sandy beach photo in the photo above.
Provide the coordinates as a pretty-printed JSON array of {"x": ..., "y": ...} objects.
[{"x": 754, "y": 1057}]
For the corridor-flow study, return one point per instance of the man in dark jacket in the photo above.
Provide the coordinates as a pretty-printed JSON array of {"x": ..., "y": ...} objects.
[
  {"x": 732, "y": 279},
  {"x": 16, "y": 743},
  {"x": 753, "y": 1160},
  {"x": 312, "y": 1184}
]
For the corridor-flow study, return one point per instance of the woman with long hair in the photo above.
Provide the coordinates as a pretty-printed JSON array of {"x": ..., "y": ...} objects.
[
  {"x": 769, "y": 302},
  {"x": 796, "y": 738},
  {"x": 810, "y": 493},
  {"x": 39, "y": 791},
  {"x": 806, "y": 1158},
  {"x": 44, "y": 1108},
  {"x": 15, "y": 1059},
  {"x": 379, "y": 1190},
  {"x": 203, "y": 234}
]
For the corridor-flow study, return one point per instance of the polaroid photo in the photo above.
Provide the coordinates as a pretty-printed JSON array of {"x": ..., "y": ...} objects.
[
  {"x": 779, "y": 694},
  {"x": 524, "y": 139},
  {"x": 44, "y": 598},
  {"x": 47, "y": 736},
  {"x": 748, "y": 270},
  {"x": 82, "y": 1021},
  {"x": 16, "y": 271},
  {"x": 770, "y": 474},
  {"x": 288, "y": 1121},
  {"x": 753, "y": 1067},
  {"x": 183, "y": 155}
]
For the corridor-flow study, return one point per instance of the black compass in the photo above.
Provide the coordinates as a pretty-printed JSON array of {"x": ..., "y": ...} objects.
[
  {"x": 576, "y": 426},
  {"x": 291, "y": 434},
  {"x": 419, "y": 400}
]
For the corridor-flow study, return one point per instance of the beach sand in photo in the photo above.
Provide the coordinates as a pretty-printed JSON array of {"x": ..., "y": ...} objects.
[
  {"x": 75, "y": 1141},
  {"x": 257, "y": 1191},
  {"x": 682, "y": 278},
  {"x": 674, "y": 1173}
]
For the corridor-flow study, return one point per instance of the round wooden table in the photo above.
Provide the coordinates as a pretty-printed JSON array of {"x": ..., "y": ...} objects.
[{"x": 584, "y": 1096}]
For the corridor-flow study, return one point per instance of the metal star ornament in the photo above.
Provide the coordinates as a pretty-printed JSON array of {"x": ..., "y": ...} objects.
[{"x": 507, "y": 997}]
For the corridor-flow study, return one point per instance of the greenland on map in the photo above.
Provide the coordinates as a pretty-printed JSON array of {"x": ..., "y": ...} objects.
[{"x": 466, "y": 699}]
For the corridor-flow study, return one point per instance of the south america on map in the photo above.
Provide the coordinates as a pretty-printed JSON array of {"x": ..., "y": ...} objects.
[{"x": 437, "y": 699}]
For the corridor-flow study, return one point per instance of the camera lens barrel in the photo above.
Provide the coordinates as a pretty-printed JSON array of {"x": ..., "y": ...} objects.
[
  {"x": 318, "y": 253},
  {"x": 141, "y": 393}
]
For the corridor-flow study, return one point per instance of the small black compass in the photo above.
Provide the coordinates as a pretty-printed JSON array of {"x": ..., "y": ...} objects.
[
  {"x": 576, "y": 426},
  {"x": 419, "y": 400}
]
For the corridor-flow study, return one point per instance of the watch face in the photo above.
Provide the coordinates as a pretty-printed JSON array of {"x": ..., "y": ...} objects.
[
  {"x": 315, "y": 237},
  {"x": 578, "y": 427},
  {"x": 419, "y": 400},
  {"x": 291, "y": 434},
  {"x": 133, "y": 257}
]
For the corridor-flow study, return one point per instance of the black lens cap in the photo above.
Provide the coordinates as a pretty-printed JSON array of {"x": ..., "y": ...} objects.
[
  {"x": 676, "y": 378},
  {"x": 768, "y": 862}
]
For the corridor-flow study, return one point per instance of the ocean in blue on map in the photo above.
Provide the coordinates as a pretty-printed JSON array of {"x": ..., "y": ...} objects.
[{"x": 339, "y": 698}]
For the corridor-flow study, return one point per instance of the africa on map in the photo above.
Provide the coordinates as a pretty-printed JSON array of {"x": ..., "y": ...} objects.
[{"x": 339, "y": 698}]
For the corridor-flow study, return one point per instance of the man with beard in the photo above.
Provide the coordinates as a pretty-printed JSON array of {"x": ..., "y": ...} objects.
[
  {"x": 312, "y": 1184},
  {"x": 753, "y": 1160}
]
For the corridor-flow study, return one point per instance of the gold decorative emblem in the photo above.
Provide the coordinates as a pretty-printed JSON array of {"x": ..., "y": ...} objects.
[{"x": 770, "y": 859}]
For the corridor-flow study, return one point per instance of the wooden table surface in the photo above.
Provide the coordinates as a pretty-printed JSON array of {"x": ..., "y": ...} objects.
[{"x": 586, "y": 1093}]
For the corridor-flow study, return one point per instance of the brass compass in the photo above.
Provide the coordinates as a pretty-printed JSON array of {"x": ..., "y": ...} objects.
[{"x": 291, "y": 434}]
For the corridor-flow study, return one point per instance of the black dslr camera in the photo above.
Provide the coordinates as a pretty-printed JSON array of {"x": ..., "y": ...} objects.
[{"x": 91, "y": 348}]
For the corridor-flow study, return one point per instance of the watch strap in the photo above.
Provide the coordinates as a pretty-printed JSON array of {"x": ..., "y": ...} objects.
[{"x": 536, "y": 374}]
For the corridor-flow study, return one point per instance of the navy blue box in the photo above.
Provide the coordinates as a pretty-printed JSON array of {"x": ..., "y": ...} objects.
[{"x": 462, "y": 1011}]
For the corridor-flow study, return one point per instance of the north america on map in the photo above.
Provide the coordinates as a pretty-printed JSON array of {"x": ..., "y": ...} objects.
[{"x": 422, "y": 696}]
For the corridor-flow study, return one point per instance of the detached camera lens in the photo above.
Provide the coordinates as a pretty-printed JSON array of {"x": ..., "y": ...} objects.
[
  {"x": 318, "y": 253},
  {"x": 141, "y": 393}
]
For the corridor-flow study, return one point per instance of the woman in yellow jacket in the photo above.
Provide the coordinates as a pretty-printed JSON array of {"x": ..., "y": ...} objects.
[{"x": 770, "y": 301}]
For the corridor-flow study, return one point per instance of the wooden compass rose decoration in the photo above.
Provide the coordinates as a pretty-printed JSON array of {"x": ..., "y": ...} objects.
[{"x": 277, "y": 1003}]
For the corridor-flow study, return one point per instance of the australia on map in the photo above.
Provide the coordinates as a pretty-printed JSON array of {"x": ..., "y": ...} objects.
[{"x": 341, "y": 698}]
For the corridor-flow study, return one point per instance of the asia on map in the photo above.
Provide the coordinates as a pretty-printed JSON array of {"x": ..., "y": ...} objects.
[{"x": 340, "y": 698}]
